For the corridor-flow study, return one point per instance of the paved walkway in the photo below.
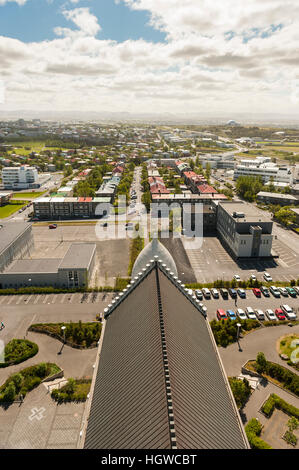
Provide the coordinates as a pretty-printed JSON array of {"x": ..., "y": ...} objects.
[
  {"x": 262, "y": 340},
  {"x": 39, "y": 423},
  {"x": 76, "y": 363}
]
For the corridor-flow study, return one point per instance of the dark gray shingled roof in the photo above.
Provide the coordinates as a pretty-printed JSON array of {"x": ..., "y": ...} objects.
[{"x": 154, "y": 338}]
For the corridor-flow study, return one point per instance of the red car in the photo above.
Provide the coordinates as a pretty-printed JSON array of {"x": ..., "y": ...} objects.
[
  {"x": 257, "y": 292},
  {"x": 280, "y": 315},
  {"x": 53, "y": 226},
  {"x": 221, "y": 315}
]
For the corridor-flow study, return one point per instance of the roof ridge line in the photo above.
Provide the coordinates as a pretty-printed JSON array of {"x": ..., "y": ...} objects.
[{"x": 169, "y": 402}]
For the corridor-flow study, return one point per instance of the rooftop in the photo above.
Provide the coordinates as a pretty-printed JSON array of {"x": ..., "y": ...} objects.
[
  {"x": 250, "y": 212},
  {"x": 160, "y": 383},
  {"x": 10, "y": 231},
  {"x": 27, "y": 266},
  {"x": 78, "y": 256}
]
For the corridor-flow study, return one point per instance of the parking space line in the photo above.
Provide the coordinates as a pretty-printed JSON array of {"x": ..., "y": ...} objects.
[
  {"x": 11, "y": 299},
  {"x": 19, "y": 300},
  {"x": 37, "y": 299},
  {"x": 2, "y": 300}
]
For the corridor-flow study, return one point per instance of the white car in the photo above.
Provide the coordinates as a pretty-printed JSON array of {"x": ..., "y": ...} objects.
[
  {"x": 241, "y": 314},
  {"x": 190, "y": 292},
  {"x": 288, "y": 311},
  {"x": 215, "y": 293},
  {"x": 267, "y": 277},
  {"x": 271, "y": 315},
  {"x": 253, "y": 277},
  {"x": 283, "y": 291},
  {"x": 237, "y": 277},
  {"x": 250, "y": 313},
  {"x": 259, "y": 314}
]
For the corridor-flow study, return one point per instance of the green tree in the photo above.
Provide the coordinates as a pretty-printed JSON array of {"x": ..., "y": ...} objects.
[{"x": 261, "y": 362}]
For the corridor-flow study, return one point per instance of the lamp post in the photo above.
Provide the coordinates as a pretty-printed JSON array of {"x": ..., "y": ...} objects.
[
  {"x": 238, "y": 334},
  {"x": 63, "y": 328}
]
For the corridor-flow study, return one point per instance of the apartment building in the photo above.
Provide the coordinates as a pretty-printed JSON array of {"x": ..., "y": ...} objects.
[
  {"x": 243, "y": 230},
  {"x": 56, "y": 208},
  {"x": 23, "y": 177},
  {"x": 4, "y": 198}
]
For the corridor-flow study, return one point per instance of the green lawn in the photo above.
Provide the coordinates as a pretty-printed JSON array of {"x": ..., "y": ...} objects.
[
  {"x": 27, "y": 195},
  {"x": 10, "y": 209}
]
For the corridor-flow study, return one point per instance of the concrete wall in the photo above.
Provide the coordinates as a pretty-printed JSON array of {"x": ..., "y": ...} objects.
[{"x": 19, "y": 248}]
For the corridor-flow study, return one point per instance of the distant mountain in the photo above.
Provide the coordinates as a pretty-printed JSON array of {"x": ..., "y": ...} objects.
[{"x": 277, "y": 120}]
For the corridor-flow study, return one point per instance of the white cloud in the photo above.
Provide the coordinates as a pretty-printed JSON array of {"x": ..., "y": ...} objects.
[
  {"x": 19, "y": 2},
  {"x": 196, "y": 68}
]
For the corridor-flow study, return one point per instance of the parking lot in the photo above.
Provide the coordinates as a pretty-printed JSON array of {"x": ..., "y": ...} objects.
[
  {"x": 251, "y": 300},
  {"x": 211, "y": 262}
]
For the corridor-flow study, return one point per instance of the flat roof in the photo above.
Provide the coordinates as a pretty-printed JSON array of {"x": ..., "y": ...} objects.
[
  {"x": 250, "y": 212},
  {"x": 10, "y": 231},
  {"x": 78, "y": 256},
  {"x": 27, "y": 266},
  {"x": 277, "y": 195}
]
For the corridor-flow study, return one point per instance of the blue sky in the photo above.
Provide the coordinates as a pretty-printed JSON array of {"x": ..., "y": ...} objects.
[{"x": 35, "y": 21}]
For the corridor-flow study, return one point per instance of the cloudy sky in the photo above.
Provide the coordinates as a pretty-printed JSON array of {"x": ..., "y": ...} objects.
[{"x": 150, "y": 55}]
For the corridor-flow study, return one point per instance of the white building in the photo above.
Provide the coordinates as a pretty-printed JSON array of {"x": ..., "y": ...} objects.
[
  {"x": 22, "y": 177},
  {"x": 266, "y": 171}
]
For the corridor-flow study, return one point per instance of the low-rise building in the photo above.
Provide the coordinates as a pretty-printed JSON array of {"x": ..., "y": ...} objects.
[
  {"x": 16, "y": 241},
  {"x": 4, "y": 198},
  {"x": 72, "y": 271},
  {"x": 277, "y": 198}
]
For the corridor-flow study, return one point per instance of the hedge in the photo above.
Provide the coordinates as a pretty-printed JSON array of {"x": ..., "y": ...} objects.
[
  {"x": 274, "y": 401},
  {"x": 225, "y": 331},
  {"x": 52, "y": 290},
  {"x": 18, "y": 350},
  {"x": 85, "y": 335},
  {"x": 26, "y": 380},
  {"x": 73, "y": 391},
  {"x": 253, "y": 430}
]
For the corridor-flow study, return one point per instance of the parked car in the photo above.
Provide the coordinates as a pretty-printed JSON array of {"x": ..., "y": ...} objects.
[
  {"x": 198, "y": 294},
  {"x": 237, "y": 277},
  {"x": 283, "y": 291},
  {"x": 253, "y": 277},
  {"x": 250, "y": 313},
  {"x": 215, "y": 293},
  {"x": 257, "y": 292},
  {"x": 104, "y": 224},
  {"x": 231, "y": 314},
  {"x": 267, "y": 277},
  {"x": 190, "y": 292},
  {"x": 53, "y": 226},
  {"x": 259, "y": 314},
  {"x": 242, "y": 293},
  {"x": 221, "y": 315},
  {"x": 203, "y": 309},
  {"x": 224, "y": 293},
  {"x": 206, "y": 292},
  {"x": 296, "y": 289},
  {"x": 233, "y": 293},
  {"x": 291, "y": 291},
  {"x": 275, "y": 291},
  {"x": 241, "y": 314},
  {"x": 280, "y": 315},
  {"x": 271, "y": 315},
  {"x": 289, "y": 312},
  {"x": 265, "y": 291}
]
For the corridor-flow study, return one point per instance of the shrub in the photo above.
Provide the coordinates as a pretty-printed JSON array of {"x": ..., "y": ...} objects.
[
  {"x": 18, "y": 350},
  {"x": 268, "y": 406},
  {"x": 9, "y": 393},
  {"x": 241, "y": 390},
  {"x": 290, "y": 438},
  {"x": 261, "y": 362},
  {"x": 253, "y": 430}
]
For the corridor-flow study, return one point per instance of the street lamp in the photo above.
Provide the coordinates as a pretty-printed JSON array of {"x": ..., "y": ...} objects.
[
  {"x": 63, "y": 328},
  {"x": 238, "y": 333}
]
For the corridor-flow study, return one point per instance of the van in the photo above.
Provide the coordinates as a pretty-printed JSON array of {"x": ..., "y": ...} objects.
[{"x": 206, "y": 292}]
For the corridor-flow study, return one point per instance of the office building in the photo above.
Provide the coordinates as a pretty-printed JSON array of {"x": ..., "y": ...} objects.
[
  {"x": 243, "y": 230},
  {"x": 23, "y": 177}
]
